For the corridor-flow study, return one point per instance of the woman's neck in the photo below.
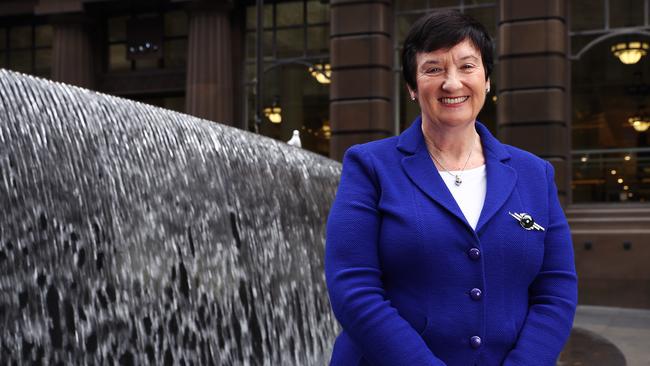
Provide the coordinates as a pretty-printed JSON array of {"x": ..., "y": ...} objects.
[{"x": 452, "y": 145}]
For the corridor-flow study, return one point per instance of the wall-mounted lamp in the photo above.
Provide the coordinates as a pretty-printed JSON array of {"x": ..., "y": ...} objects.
[
  {"x": 321, "y": 72},
  {"x": 273, "y": 113},
  {"x": 630, "y": 52}
]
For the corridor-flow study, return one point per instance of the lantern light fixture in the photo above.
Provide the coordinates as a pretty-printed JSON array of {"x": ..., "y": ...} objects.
[
  {"x": 321, "y": 72},
  {"x": 630, "y": 52}
]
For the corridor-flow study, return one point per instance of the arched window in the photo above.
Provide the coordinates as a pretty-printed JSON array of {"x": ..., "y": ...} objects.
[{"x": 610, "y": 90}]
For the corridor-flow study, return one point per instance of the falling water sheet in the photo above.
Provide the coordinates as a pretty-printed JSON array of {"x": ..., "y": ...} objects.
[{"x": 139, "y": 235}]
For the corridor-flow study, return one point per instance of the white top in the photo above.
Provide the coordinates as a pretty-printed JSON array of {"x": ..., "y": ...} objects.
[{"x": 470, "y": 195}]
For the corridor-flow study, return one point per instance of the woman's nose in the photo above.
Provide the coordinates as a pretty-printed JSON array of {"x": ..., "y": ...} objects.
[{"x": 451, "y": 83}]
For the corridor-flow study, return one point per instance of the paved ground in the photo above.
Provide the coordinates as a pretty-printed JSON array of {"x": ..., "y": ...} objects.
[{"x": 627, "y": 329}]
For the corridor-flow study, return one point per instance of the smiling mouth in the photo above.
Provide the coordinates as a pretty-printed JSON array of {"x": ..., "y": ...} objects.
[{"x": 456, "y": 100}]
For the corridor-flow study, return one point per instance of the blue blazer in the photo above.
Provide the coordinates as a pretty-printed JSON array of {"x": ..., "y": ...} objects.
[{"x": 403, "y": 266}]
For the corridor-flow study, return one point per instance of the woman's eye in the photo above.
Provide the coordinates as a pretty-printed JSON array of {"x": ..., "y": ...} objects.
[
  {"x": 433, "y": 70},
  {"x": 467, "y": 67}
]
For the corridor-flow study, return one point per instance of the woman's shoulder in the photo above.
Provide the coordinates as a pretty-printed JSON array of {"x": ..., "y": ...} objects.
[
  {"x": 526, "y": 161},
  {"x": 377, "y": 148}
]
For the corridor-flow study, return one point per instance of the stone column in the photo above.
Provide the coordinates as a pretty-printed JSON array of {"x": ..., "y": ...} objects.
[
  {"x": 362, "y": 81},
  {"x": 210, "y": 92},
  {"x": 73, "y": 58},
  {"x": 534, "y": 82}
]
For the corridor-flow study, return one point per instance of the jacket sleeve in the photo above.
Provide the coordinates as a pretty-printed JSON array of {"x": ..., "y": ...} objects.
[
  {"x": 353, "y": 272},
  {"x": 552, "y": 295}
]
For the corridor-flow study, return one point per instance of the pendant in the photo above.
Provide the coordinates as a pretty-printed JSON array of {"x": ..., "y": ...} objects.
[{"x": 458, "y": 181}]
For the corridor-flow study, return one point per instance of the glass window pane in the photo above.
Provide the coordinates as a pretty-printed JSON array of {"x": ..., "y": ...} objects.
[
  {"x": 289, "y": 14},
  {"x": 20, "y": 37},
  {"x": 117, "y": 58},
  {"x": 251, "y": 17},
  {"x": 404, "y": 23},
  {"x": 146, "y": 64},
  {"x": 443, "y": 3},
  {"x": 43, "y": 62},
  {"x": 318, "y": 40},
  {"x": 478, "y": 2},
  {"x": 250, "y": 44},
  {"x": 487, "y": 17},
  {"x": 289, "y": 42},
  {"x": 580, "y": 42},
  {"x": 268, "y": 44},
  {"x": 587, "y": 14},
  {"x": 175, "y": 104},
  {"x": 21, "y": 61},
  {"x": 317, "y": 12},
  {"x": 175, "y": 53},
  {"x": 411, "y": 4},
  {"x": 176, "y": 23},
  {"x": 624, "y": 13},
  {"x": 117, "y": 29},
  {"x": 250, "y": 72},
  {"x": 43, "y": 36}
]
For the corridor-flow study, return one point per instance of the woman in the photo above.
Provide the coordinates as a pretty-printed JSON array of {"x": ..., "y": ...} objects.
[{"x": 444, "y": 246}]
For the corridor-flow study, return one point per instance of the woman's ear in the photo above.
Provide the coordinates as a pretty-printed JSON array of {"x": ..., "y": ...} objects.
[{"x": 412, "y": 93}]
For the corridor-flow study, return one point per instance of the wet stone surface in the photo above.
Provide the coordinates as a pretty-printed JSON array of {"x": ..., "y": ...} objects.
[
  {"x": 588, "y": 348},
  {"x": 135, "y": 235}
]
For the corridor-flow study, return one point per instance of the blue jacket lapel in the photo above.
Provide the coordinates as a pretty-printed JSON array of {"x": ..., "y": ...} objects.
[
  {"x": 420, "y": 169},
  {"x": 423, "y": 173},
  {"x": 501, "y": 177}
]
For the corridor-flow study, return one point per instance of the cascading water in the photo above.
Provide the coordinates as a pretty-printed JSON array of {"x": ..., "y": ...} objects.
[{"x": 135, "y": 235}]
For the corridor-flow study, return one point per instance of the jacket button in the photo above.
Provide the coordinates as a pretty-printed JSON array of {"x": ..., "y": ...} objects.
[
  {"x": 476, "y": 294},
  {"x": 475, "y": 342},
  {"x": 474, "y": 253}
]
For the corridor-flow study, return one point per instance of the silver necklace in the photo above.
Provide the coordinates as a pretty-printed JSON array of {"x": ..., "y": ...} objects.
[{"x": 458, "y": 179}]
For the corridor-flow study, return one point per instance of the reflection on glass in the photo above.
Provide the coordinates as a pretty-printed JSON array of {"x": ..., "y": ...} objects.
[
  {"x": 317, "y": 12},
  {"x": 21, "y": 60},
  {"x": 611, "y": 156},
  {"x": 290, "y": 13},
  {"x": 587, "y": 14},
  {"x": 176, "y": 23},
  {"x": 117, "y": 58},
  {"x": 117, "y": 29},
  {"x": 43, "y": 62},
  {"x": 304, "y": 105},
  {"x": 289, "y": 42},
  {"x": 43, "y": 36},
  {"x": 175, "y": 53},
  {"x": 625, "y": 13},
  {"x": 20, "y": 37},
  {"x": 611, "y": 175}
]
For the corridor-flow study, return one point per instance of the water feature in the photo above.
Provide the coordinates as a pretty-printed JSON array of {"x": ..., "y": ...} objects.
[{"x": 135, "y": 235}]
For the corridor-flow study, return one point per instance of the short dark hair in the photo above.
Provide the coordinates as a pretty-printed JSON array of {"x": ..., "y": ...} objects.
[{"x": 443, "y": 29}]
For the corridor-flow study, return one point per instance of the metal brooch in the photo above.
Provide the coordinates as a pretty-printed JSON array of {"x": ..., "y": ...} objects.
[{"x": 526, "y": 221}]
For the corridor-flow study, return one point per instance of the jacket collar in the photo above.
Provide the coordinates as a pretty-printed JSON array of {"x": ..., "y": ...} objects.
[{"x": 417, "y": 164}]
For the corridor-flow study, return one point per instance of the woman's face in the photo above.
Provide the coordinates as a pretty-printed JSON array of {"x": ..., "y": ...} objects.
[{"x": 451, "y": 85}]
